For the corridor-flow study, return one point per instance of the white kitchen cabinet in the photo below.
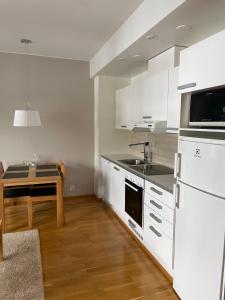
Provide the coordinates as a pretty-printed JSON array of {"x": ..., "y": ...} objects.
[
  {"x": 174, "y": 101},
  {"x": 155, "y": 93},
  {"x": 106, "y": 180},
  {"x": 202, "y": 65},
  {"x": 159, "y": 211},
  {"x": 117, "y": 194},
  {"x": 123, "y": 99}
]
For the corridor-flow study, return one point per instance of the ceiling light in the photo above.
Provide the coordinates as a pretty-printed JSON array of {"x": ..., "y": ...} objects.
[
  {"x": 136, "y": 55},
  {"x": 184, "y": 27},
  {"x": 152, "y": 37}
]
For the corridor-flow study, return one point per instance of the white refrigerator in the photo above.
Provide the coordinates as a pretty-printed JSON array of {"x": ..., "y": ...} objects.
[{"x": 199, "y": 252}]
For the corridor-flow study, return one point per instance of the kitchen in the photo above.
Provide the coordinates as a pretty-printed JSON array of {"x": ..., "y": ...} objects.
[
  {"x": 168, "y": 185},
  {"x": 112, "y": 169}
]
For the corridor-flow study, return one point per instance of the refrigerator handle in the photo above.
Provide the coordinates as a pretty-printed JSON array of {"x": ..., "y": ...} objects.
[
  {"x": 177, "y": 165},
  {"x": 222, "y": 291},
  {"x": 177, "y": 195}
]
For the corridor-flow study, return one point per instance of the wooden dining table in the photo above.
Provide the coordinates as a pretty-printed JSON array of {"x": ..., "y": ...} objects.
[{"x": 31, "y": 175}]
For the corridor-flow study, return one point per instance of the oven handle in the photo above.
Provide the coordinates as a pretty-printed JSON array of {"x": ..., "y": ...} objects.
[{"x": 130, "y": 186}]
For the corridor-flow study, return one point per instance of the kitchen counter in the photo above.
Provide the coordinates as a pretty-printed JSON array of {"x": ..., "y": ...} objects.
[{"x": 166, "y": 182}]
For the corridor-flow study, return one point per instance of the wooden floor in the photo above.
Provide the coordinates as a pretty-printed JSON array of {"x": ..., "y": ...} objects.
[{"x": 92, "y": 257}]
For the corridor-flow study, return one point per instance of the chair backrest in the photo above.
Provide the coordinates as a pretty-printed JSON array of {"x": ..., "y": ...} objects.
[
  {"x": 62, "y": 169},
  {"x": 1, "y": 168}
]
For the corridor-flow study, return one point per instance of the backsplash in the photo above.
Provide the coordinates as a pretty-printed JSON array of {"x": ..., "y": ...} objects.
[{"x": 162, "y": 146}]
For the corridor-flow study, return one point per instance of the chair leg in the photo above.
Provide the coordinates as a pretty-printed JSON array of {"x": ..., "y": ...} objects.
[
  {"x": 30, "y": 213},
  {"x": 1, "y": 242}
]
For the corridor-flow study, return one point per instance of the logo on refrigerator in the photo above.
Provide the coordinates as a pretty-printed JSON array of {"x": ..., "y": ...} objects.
[{"x": 197, "y": 152}]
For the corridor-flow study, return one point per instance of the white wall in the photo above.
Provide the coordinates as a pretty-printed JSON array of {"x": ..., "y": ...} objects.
[
  {"x": 108, "y": 139},
  {"x": 146, "y": 16},
  {"x": 63, "y": 93}
]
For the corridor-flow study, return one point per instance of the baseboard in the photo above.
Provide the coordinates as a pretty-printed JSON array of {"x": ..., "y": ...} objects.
[{"x": 77, "y": 196}]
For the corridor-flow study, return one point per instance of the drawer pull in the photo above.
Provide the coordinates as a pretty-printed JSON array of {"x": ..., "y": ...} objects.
[
  {"x": 115, "y": 168},
  {"x": 186, "y": 86},
  {"x": 155, "y": 218},
  {"x": 156, "y": 204},
  {"x": 123, "y": 126},
  {"x": 156, "y": 191},
  {"x": 155, "y": 231}
]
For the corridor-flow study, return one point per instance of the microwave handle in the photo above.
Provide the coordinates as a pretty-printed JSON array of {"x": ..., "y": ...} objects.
[{"x": 186, "y": 86}]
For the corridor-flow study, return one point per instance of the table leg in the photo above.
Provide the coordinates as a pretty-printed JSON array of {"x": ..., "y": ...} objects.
[
  {"x": 59, "y": 202},
  {"x": 2, "y": 210},
  {"x": 1, "y": 242}
]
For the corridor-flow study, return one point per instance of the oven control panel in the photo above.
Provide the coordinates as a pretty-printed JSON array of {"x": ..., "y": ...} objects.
[{"x": 135, "y": 179}]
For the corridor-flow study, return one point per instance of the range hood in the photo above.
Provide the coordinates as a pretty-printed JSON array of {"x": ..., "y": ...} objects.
[{"x": 151, "y": 126}]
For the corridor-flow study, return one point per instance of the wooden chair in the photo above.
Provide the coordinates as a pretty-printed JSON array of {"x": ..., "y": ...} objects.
[
  {"x": 1, "y": 241},
  {"x": 18, "y": 195},
  {"x": 45, "y": 192}
]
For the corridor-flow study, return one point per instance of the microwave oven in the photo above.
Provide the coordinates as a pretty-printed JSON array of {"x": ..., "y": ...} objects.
[{"x": 207, "y": 109}]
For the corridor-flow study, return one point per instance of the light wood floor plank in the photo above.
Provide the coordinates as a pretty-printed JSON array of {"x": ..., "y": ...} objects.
[{"x": 92, "y": 257}]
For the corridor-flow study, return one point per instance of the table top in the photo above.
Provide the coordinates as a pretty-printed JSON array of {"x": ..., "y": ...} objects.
[{"x": 22, "y": 174}]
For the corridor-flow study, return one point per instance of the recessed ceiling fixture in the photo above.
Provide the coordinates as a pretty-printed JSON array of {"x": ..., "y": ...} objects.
[
  {"x": 27, "y": 117},
  {"x": 184, "y": 27},
  {"x": 152, "y": 37},
  {"x": 136, "y": 55}
]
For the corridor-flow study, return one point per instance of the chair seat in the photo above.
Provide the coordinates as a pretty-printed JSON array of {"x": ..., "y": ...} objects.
[
  {"x": 43, "y": 190},
  {"x": 15, "y": 192}
]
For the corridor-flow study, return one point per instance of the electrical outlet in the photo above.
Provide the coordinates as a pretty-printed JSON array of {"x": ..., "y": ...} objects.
[{"x": 72, "y": 188}]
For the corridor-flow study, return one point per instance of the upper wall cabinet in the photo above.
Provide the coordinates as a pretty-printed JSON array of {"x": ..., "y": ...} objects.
[
  {"x": 123, "y": 98},
  {"x": 155, "y": 90},
  {"x": 174, "y": 101},
  {"x": 202, "y": 65}
]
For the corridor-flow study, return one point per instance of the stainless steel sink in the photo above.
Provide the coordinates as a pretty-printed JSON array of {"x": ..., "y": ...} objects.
[
  {"x": 132, "y": 162},
  {"x": 152, "y": 169}
]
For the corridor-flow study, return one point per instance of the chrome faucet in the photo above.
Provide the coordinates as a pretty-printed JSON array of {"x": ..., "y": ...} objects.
[{"x": 147, "y": 158}]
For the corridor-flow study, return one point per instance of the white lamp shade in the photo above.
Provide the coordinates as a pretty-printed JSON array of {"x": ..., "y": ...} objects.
[{"x": 26, "y": 118}]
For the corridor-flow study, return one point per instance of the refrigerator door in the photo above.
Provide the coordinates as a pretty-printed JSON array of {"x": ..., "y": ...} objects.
[
  {"x": 199, "y": 245},
  {"x": 202, "y": 165}
]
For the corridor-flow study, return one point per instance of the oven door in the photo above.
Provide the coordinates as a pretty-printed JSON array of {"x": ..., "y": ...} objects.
[{"x": 133, "y": 201}]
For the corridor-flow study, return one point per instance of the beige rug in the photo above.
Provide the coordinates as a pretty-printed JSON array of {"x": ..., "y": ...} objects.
[{"x": 21, "y": 270}]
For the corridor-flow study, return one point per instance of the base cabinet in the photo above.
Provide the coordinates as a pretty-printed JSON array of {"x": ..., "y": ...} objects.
[{"x": 157, "y": 234}]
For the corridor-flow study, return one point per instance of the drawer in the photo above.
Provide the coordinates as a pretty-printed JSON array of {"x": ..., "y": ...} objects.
[
  {"x": 158, "y": 221},
  {"x": 159, "y": 193},
  {"x": 158, "y": 244},
  {"x": 159, "y": 207}
]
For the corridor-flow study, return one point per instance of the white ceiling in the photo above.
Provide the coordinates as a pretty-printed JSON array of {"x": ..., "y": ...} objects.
[
  {"x": 73, "y": 29},
  {"x": 206, "y": 18}
]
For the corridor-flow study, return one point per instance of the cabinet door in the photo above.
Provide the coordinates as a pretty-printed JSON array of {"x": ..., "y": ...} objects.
[
  {"x": 202, "y": 65},
  {"x": 174, "y": 100},
  {"x": 123, "y": 98},
  {"x": 118, "y": 190},
  {"x": 136, "y": 105},
  {"x": 106, "y": 179},
  {"x": 155, "y": 96},
  {"x": 199, "y": 245}
]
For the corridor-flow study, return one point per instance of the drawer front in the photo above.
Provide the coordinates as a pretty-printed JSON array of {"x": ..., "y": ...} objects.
[
  {"x": 158, "y": 221},
  {"x": 159, "y": 207},
  {"x": 159, "y": 193},
  {"x": 158, "y": 244}
]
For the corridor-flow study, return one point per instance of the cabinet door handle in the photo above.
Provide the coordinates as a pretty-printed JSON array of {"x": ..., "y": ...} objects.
[
  {"x": 155, "y": 231},
  {"x": 146, "y": 117},
  {"x": 156, "y": 191},
  {"x": 130, "y": 186},
  {"x": 156, "y": 204},
  {"x": 186, "y": 86},
  {"x": 115, "y": 168},
  {"x": 177, "y": 164},
  {"x": 177, "y": 195},
  {"x": 155, "y": 218},
  {"x": 123, "y": 126}
]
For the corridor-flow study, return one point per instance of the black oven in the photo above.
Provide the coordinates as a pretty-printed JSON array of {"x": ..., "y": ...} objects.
[{"x": 134, "y": 201}]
